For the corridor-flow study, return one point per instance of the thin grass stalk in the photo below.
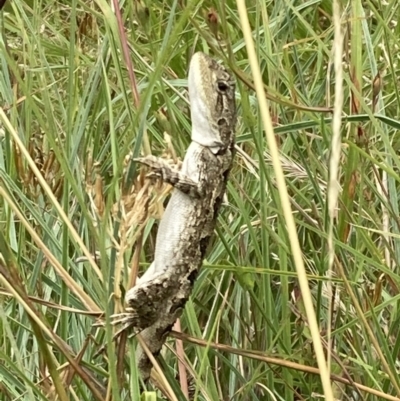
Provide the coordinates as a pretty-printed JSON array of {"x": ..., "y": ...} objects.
[{"x": 297, "y": 254}]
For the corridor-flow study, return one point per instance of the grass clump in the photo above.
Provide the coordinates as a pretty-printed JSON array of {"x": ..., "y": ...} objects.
[{"x": 86, "y": 87}]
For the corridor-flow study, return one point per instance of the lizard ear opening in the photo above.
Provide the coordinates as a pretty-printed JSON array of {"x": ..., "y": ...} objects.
[
  {"x": 221, "y": 121},
  {"x": 222, "y": 86}
]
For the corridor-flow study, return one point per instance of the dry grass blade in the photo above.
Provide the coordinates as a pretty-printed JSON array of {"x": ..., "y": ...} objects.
[
  {"x": 77, "y": 107},
  {"x": 259, "y": 356},
  {"x": 334, "y": 186},
  {"x": 48, "y": 191},
  {"x": 297, "y": 254},
  {"x": 74, "y": 287}
]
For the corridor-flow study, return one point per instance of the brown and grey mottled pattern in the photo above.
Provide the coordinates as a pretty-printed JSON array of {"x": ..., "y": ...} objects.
[{"x": 159, "y": 296}]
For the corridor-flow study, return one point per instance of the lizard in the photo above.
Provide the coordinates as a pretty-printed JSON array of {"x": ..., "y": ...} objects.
[{"x": 188, "y": 222}]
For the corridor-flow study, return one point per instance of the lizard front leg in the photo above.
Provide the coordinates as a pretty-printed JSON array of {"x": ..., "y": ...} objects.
[{"x": 161, "y": 169}]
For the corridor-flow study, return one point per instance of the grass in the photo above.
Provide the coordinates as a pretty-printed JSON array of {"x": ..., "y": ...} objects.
[{"x": 84, "y": 88}]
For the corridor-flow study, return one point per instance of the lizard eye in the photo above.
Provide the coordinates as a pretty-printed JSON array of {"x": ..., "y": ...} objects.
[{"x": 222, "y": 86}]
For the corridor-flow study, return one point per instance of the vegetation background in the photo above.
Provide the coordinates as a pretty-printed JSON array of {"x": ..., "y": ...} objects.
[{"x": 85, "y": 85}]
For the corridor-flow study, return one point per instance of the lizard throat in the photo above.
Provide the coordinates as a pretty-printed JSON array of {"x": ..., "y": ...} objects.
[{"x": 207, "y": 138}]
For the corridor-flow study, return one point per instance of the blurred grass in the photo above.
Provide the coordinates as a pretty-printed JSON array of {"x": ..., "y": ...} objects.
[{"x": 71, "y": 98}]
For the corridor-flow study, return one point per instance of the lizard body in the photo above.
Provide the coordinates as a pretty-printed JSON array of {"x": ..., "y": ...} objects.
[{"x": 158, "y": 298}]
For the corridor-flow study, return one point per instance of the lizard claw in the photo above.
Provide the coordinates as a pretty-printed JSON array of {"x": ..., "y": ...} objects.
[{"x": 127, "y": 320}]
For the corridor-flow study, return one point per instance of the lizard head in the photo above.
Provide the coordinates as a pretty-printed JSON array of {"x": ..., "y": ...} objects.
[{"x": 212, "y": 103}]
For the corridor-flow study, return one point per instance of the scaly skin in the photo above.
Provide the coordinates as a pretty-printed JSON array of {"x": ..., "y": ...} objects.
[{"x": 159, "y": 296}]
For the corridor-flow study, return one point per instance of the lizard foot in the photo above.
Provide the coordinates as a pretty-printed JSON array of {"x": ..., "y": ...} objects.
[
  {"x": 152, "y": 162},
  {"x": 128, "y": 321},
  {"x": 156, "y": 165}
]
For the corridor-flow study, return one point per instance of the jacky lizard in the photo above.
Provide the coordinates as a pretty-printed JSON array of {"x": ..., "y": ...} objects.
[{"x": 159, "y": 296}]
